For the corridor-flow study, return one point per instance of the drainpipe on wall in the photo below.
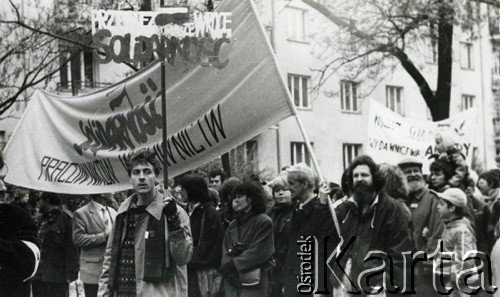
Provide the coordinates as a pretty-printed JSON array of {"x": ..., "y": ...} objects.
[
  {"x": 483, "y": 109},
  {"x": 273, "y": 45}
]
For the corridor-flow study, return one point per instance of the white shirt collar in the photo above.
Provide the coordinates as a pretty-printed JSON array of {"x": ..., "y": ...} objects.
[{"x": 302, "y": 204}]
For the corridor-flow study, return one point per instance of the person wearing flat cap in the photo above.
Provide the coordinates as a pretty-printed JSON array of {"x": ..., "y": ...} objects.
[
  {"x": 427, "y": 225},
  {"x": 458, "y": 236}
]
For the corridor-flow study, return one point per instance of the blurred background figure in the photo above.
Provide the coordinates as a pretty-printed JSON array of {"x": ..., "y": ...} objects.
[
  {"x": 19, "y": 253},
  {"x": 207, "y": 231},
  {"x": 335, "y": 191},
  {"x": 441, "y": 173},
  {"x": 59, "y": 256},
  {"x": 22, "y": 199},
  {"x": 281, "y": 215},
  {"x": 217, "y": 178},
  {"x": 92, "y": 225},
  {"x": 224, "y": 208}
]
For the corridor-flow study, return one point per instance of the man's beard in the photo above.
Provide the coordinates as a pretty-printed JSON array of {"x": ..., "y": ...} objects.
[
  {"x": 415, "y": 184},
  {"x": 363, "y": 192}
]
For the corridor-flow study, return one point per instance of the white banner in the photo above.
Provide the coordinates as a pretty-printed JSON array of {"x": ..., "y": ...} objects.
[
  {"x": 79, "y": 145},
  {"x": 392, "y": 137}
]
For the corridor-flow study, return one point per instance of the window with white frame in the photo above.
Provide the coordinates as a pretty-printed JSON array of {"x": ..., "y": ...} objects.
[
  {"x": 466, "y": 55},
  {"x": 78, "y": 70},
  {"x": 297, "y": 24},
  {"x": 394, "y": 99},
  {"x": 243, "y": 158},
  {"x": 467, "y": 102},
  {"x": 298, "y": 86},
  {"x": 350, "y": 151},
  {"x": 349, "y": 96},
  {"x": 299, "y": 153}
]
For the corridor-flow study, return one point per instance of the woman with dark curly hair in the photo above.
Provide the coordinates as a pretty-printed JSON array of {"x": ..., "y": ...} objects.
[
  {"x": 225, "y": 208},
  {"x": 248, "y": 244},
  {"x": 207, "y": 230},
  {"x": 441, "y": 172}
]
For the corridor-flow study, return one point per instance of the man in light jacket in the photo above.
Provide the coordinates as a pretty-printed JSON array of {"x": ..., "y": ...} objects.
[{"x": 92, "y": 225}]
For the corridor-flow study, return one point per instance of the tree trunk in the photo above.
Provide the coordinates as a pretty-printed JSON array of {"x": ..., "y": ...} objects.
[{"x": 440, "y": 105}]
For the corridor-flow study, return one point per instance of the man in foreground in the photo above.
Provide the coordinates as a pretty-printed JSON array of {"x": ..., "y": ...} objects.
[
  {"x": 371, "y": 221},
  {"x": 150, "y": 243}
]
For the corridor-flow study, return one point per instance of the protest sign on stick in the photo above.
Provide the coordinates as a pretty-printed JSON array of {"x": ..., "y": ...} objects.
[{"x": 392, "y": 137}]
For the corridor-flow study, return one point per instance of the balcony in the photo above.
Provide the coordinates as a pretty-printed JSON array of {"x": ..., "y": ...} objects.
[{"x": 78, "y": 88}]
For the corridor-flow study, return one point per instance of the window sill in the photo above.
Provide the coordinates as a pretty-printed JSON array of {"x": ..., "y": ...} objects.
[
  {"x": 297, "y": 41},
  {"x": 351, "y": 112},
  {"x": 303, "y": 108}
]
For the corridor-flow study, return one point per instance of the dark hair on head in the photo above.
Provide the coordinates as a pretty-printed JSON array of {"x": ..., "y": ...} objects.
[
  {"x": 459, "y": 211},
  {"x": 378, "y": 181},
  {"x": 227, "y": 188},
  {"x": 143, "y": 157},
  {"x": 255, "y": 192},
  {"x": 344, "y": 182},
  {"x": 443, "y": 166},
  {"x": 216, "y": 172},
  {"x": 491, "y": 177},
  {"x": 52, "y": 198},
  {"x": 396, "y": 185},
  {"x": 196, "y": 188}
]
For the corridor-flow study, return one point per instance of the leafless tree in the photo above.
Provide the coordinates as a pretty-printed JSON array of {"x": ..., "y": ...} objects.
[
  {"x": 31, "y": 39},
  {"x": 37, "y": 41},
  {"x": 375, "y": 34}
]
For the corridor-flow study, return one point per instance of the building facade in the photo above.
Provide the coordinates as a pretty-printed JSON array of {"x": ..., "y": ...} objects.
[
  {"x": 335, "y": 116},
  {"x": 335, "y": 112}
]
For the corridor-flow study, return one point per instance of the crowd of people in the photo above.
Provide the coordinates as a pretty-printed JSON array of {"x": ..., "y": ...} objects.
[{"x": 208, "y": 235}]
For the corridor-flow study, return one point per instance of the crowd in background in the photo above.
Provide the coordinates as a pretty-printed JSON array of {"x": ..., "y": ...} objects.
[{"x": 245, "y": 231}]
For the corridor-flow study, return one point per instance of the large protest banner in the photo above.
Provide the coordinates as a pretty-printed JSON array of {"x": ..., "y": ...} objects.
[
  {"x": 392, "y": 137},
  {"x": 80, "y": 144}
]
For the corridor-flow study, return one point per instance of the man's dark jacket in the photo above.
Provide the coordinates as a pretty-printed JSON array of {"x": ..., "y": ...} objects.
[
  {"x": 389, "y": 234},
  {"x": 17, "y": 260},
  {"x": 59, "y": 261}
]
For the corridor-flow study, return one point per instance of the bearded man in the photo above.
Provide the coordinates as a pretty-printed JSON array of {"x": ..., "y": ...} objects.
[
  {"x": 426, "y": 221},
  {"x": 427, "y": 225},
  {"x": 371, "y": 221}
]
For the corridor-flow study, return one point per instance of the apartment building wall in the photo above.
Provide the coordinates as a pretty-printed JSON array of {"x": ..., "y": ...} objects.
[{"x": 339, "y": 132}]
